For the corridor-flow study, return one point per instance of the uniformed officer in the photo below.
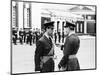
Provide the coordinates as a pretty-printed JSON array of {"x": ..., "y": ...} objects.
[
  {"x": 29, "y": 37},
  {"x": 21, "y": 34},
  {"x": 33, "y": 36},
  {"x": 14, "y": 36},
  {"x": 24, "y": 34},
  {"x": 55, "y": 36},
  {"x": 62, "y": 37},
  {"x": 37, "y": 35},
  {"x": 69, "y": 61},
  {"x": 44, "y": 53},
  {"x": 59, "y": 36}
]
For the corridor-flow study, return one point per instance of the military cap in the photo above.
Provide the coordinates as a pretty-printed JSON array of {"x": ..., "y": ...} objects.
[
  {"x": 49, "y": 24},
  {"x": 69, "y": 24}
]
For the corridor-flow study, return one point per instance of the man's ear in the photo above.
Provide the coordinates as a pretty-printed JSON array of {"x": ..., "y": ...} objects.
[{"x": 46, "y": 28}]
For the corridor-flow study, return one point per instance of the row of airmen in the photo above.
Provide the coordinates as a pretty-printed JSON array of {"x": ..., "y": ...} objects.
[
  {"x": 30, "y": 37},
  {"x": 23, "y": 36}
]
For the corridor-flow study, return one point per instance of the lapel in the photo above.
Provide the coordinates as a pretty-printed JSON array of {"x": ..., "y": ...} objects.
[{"x": 48, "y": 41}]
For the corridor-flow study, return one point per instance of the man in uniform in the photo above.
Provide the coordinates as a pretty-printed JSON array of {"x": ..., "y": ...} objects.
[
  {"x": 30, "y": 37},
  {"x": 55, "y": 36},
  {"x": 69, "y": 61},
  {"x": 24, "y": 36},
  {"x": 14, "y": 36},
  {"x": 44, "y": 53},
  {"x": 37, "y": 35},
  {"x": 33, "y": 36},
  {"x": 62, "y": 37},
  {"x": 21, "y": 34},
  {"x": 59, "y": 36}
]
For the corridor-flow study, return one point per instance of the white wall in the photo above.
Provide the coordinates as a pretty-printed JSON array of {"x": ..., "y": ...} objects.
[
  {"x": 20, "y": 14},
  {"x": 35, "y": 12},
  {"x": 36, "y": 15}
]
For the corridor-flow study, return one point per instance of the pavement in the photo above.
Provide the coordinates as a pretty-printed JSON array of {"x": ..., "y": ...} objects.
[{"x": 23, "y": 56}]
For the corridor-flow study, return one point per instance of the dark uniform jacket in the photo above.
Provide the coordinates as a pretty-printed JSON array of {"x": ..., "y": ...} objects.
[
  {"x": 20, "y": 33},
  {"x": 71, "y": 47},
  {"x": 14, "y": 33},
  {"x": 14, "y": 36},
  {"x": 43, "y": 47}
]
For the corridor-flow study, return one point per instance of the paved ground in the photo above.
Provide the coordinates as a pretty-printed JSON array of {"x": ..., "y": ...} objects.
[{"x": 23, "y": 56}]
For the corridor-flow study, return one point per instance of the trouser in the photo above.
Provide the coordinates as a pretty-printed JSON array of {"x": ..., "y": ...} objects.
[
  {"x": 55, "y": 40},
  {"x": 14, "y": 40},
  {"x": 21, "y": 40},
  {"x": 30, "y": 41},
  {"x": 24, "y": 39},
  {"x": 33, "y": 40},
  {"x": 48, "y": 66}
]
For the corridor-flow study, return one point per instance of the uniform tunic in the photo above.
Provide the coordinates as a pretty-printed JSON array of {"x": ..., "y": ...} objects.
[
  {"x": 71, "y": 47},
  {"x": 43, "y": 47}
]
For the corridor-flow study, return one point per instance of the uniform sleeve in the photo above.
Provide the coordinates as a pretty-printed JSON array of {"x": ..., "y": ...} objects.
[
  {"x": 38, "y": 54},
  {"x": 63, "y": 62}
]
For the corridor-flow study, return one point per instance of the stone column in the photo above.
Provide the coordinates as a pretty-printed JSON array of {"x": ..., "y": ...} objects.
[
  {"x": 20, "y": 15},
  {"x": 85, "y": 25}
]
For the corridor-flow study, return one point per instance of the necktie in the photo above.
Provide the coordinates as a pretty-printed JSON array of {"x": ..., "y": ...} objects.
[
  {"x": 52, "y": 48},
  {"x": 50, "y": 40}
]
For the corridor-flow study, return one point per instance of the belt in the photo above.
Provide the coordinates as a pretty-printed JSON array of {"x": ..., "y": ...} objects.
[
  {"x": 44, "y": 59},
  {"x": 49, "y": 56},
  {"x": 72, "y": 56}
]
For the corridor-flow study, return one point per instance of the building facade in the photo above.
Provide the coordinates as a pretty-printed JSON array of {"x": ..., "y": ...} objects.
[{"x": 28, "y": 15}]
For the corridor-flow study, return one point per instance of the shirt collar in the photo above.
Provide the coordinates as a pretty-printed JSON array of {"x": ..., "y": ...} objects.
[
  {"x": 46, "y": 35},
  {"x": 71, "y": 33}
]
